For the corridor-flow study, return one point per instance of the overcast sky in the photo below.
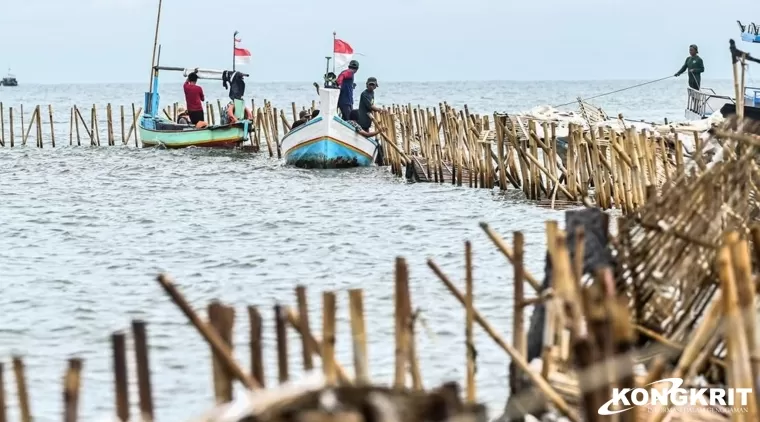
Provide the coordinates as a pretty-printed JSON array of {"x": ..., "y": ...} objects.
[{"x": 52, "y": 41}]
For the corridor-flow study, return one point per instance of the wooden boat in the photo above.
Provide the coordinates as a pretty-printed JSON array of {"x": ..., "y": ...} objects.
[
  {"x": 328, "y": 141},
  {"x": 157, "y": 130},
  {"x": 9, "y": 80}
]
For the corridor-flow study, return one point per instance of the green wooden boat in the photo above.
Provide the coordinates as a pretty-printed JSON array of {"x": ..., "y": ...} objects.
[{"x": 156, "y": 130}]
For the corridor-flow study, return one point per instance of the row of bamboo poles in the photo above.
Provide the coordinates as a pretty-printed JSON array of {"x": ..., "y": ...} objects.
[
  {"x": 443, "y": 145},
  {"x": 227, "y": 369},
  {"x": 604, "y": 354},
  {"x": 454, "y": 146},
  {"x": 85, "y": 127}
]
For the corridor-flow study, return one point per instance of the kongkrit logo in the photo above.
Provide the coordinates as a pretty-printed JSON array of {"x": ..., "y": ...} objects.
[{"x": 673, "y": 396}]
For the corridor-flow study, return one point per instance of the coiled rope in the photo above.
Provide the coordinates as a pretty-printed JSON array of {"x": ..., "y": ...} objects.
[{"x": 616, "y": 91}]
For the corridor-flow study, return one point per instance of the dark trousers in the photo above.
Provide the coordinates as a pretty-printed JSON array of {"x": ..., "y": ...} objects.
[
  {"x": 195, "y": 116},
  {"x": 345, "y": 111},
  {"x": 694, "y": 82}
]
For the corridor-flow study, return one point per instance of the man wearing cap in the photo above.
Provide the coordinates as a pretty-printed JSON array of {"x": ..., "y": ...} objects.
[
  {"x": 695, "y": 67},
  {"x": 346, "y": 83},
  {"x": 367, "y": 104},
  {"x": 303, "y": 117}
]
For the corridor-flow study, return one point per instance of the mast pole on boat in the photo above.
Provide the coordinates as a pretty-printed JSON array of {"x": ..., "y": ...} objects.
[
  {"x": 155, "y": 44},
  {"x": 333, "y": 56},
  {"x": 234, "y": 46}
]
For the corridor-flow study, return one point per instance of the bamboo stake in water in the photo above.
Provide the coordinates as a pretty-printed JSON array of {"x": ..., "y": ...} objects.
[
  {"x": 121, "y": 377},
  {"x": 109, "y": 124},
  {"x": 328, "y": 338},
  {"x": 52, "y": 129},
  {"x": 23, "y": 395},
  {"x": 2, "y": 130},
  {"x": 71, "y": 382},
  {"x": 282, "y": 345},
  {"x": 303, "y": 312},
  {"x": 402, "y": 277},
  {"x": 222, "y": 319},
  {"x": 10, "y": 117},
  {"x": 316, "y": 344},
  {"x": 470, "y": 346},
  {"x": 39, "y": 128},
  {"x": 358, "y": 336},
  {"x": 3, "y": 414},
  {"x": 144, "y": 387},
  {"x": 21, "y": 112},
  {"x": 25, "y": 134},
  {"x": 257, "y": 358},
  {"x": 123, "y": 129}
]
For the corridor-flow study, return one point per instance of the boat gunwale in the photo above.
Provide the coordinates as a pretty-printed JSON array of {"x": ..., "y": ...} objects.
[
  {"x": 309, "y": 123},
  {"x": 206, "y": 129}
]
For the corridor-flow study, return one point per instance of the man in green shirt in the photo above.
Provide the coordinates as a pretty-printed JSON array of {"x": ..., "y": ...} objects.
[{"x": 695, "y": 67}]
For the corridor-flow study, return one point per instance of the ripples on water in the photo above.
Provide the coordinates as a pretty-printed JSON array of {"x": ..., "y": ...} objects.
[{"x": 85, "y": 230}]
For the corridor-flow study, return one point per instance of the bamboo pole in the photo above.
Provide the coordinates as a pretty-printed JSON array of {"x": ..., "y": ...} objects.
[
  {"x": 52, "y": 129},
  {"x": 23, "y": 395},
  {"x": 358, "y": 336},
  {"x": 328, "y": 338},
  {"x": 121, "y": 377},
  {"x": 72, "y": 381},
  {"x": 2, "y": 130},
  {"x": 281, "y": 336},
  {"x": 470, "y": 346}
]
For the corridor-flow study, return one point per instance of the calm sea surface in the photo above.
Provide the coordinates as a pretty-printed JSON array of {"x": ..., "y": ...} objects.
[{"x": 84, "y": 231}]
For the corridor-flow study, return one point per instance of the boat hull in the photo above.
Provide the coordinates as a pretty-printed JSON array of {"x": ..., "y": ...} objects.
[
  {"x": 228, "y": 136},
  {"x": 327, "y": 141}
]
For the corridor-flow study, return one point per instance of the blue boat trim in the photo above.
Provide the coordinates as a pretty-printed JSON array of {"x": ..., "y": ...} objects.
[{"x": 326, "y": 153}]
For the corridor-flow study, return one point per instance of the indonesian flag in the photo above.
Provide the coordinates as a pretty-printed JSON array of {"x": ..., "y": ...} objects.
[
  {"x": 242, "y": 55},
  {"x": 343, "y": 53}
]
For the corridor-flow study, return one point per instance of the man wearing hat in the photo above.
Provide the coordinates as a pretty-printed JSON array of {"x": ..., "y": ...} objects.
[
  {"x": 695, "y": 67},
  {"x": 367, "y": 104},
  {"x": 303, "y": 117},
  {"x": 183, "y": 117}
]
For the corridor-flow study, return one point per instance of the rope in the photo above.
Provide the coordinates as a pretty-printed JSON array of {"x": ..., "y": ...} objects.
[{"x": 616, "y": 91}]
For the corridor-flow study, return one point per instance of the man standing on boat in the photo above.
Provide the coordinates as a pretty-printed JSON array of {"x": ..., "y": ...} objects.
[
  {"x": 194, "y": 98},
  {"x": 695, "y": 67},
  {"x": 346, "y": 83},
  {"x": 367, "y": 104}
]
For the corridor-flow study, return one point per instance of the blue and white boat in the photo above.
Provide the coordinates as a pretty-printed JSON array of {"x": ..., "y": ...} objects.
[
  {"x": 750, "y": 32},
  {"x": 327, "y": 141}
]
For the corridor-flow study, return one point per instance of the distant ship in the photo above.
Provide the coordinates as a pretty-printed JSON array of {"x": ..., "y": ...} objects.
[{"x": 9, "y": 80}]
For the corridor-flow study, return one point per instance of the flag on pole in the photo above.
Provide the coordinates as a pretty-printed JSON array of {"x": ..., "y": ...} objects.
[
  {"x": 242, "y": 55},
  {"x": 343, "y": 53}
]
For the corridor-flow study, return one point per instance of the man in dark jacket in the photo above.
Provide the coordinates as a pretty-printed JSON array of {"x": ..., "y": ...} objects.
[
  {"x": 367, "y": 104},
  {"x": 303, "y": 118},
  {"x": 694, "y": 66},
  {"x": 346, "y": 83}
]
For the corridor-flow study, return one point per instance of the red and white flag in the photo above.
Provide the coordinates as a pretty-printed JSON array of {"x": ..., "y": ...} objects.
[
  {"x": 343, "y": 53},
  {"x": 242, "y": 55}
]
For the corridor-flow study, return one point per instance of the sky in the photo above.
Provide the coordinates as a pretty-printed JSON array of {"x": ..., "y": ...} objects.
[{"x": 70, "y": 41}]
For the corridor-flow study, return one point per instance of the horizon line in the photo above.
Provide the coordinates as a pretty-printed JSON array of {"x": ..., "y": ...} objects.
[{"x": 389, "y": 81}]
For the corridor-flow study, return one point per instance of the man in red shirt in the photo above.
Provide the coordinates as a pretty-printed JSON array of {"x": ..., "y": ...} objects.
[{"x": 194, "y": 98}]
